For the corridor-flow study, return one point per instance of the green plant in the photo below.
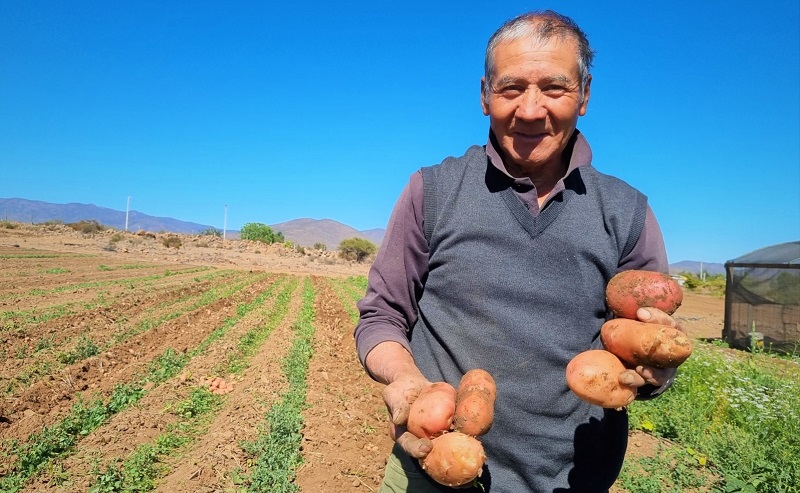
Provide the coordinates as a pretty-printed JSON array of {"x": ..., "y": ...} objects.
[
  {"x": 713, "y": 284},
  {"x": 84, "y": 348},
  {"x": 260, "y": 232},
  {"x": 320, "y": 246},
  {"x": 736, "y": 414},
  {"x": 356, "y": 249},
  {"x": 57, "y": 270}
]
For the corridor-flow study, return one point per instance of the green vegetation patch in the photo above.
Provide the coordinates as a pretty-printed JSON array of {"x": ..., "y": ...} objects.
[
  {"x": 735, "y": 413},
  {"x": 276, "y": 452}
]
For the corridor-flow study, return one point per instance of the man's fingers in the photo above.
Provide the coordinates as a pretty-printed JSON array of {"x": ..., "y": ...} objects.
[
  {"x": 396, "y": 404},
  {"x": 414, "y": 447},
  {"x": 652, "y": 315},
  {"x": 656, "y": 376},
  {"x": 631, "y": 378}
]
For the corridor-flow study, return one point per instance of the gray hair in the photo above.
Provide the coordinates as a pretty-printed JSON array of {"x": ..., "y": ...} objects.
[{"x": 541, "y": 25}]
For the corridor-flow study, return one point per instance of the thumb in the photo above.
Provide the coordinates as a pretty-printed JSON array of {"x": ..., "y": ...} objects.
[{"x": 413, "y": 446}]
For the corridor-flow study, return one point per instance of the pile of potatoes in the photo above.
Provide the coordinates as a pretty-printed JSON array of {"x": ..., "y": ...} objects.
[
  {"x": 594, "y": 374},
  {"x": 452, "y": 419}
]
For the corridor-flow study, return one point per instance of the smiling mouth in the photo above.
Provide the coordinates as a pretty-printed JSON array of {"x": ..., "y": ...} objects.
[{"x": 529, "y": 136}]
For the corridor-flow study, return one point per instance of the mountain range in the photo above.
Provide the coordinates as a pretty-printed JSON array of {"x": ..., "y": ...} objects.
[{"x": 303, "y": 232}]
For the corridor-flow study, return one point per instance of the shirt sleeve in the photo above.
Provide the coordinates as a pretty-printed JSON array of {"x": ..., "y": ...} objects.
[
  {"x": 649, "y": 252},
  {"x": 388, "y": 310}
]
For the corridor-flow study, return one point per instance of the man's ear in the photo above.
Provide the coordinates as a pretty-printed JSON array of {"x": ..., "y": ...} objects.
[
  {"x": 587, "y": 91},
  {"x": 484, "y": 99}
]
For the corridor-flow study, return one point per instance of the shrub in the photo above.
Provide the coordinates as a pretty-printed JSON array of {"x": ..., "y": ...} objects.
[
  {"x": 211, "y": 232},
  {"x": 89, "y": 226},
  {"x": 713, "y": 284},
  {"x": 356, "y": 249},
  {"x": 260, "y": 232},
  {"x": 171, "y": 241},
  {"x": 320, "y": 246}
]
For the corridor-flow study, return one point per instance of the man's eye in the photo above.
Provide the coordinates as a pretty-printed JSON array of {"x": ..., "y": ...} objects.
[
  {"x": 511, "y": 90},
  {"x": 554, "y": 90}
]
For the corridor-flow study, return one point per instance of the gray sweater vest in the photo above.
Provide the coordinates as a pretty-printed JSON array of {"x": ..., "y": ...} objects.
[{"x": 520, "y": 296}]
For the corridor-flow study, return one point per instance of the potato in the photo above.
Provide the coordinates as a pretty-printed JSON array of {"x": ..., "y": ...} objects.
[
  {"x": 432, "y": 413},
  {"x": 630, "y": 290},
  {"x": 456, "y": 459},
  {"x": 640, "y": 343},
  {"x": 593, "y": 376},
  {"x": 475, "y": 403}
]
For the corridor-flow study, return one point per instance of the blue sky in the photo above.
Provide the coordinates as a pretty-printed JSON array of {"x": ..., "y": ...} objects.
[{"x": 324, "y": 109}]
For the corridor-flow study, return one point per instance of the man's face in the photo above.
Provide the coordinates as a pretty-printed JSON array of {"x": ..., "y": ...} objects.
[{"x": 534, "y": 102}]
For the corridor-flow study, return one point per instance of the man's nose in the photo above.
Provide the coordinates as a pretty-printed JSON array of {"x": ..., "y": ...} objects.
[{"x": 530, "y": 105}]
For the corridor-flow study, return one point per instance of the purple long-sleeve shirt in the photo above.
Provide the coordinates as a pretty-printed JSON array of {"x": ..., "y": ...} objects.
[{"x": 397, "y": 276}]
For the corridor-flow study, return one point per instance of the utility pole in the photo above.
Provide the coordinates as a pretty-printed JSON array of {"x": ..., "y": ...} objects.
[
  {"x": 127, "y": 210},
  {"x": 225, "y": 222}
]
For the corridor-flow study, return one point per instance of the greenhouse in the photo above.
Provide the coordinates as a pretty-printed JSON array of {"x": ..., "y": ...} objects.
[{"x": 762, "y": 299}]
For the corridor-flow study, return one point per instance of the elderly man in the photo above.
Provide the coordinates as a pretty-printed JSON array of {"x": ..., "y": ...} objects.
[{"x": 498, "y": 259}]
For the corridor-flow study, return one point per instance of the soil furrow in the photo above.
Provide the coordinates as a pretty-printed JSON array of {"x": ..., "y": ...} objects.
[
  {"x": 346, "y": 417},
  {"x": 153, "y": 414},
  {"x": 213, "y": 462},
  {"x": 74, "y": 338},
  {"x": 50, "y": 399}
]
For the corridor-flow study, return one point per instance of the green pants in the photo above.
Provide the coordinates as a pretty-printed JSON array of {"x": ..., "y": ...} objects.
[{"x": 404, "y": 475}]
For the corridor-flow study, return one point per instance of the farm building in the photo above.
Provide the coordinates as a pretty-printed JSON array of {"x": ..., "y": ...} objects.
[{"x": 762, "y": 299}]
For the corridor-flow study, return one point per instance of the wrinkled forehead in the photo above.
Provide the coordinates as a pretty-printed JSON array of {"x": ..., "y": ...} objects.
[{"x": 524, "y": 52}]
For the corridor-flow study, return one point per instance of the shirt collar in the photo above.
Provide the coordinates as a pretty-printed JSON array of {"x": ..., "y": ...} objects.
[{"x": 580, "y": 154}]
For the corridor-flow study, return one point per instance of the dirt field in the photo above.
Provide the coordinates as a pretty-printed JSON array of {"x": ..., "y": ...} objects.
[{"x": 82, "y": 315}]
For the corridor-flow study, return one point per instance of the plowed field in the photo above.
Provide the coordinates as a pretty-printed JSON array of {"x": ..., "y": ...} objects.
[{"x": 201, "y": 369}]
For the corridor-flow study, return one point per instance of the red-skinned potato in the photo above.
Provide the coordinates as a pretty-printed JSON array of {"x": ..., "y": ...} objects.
[
  {"x": 475, "y": 403},
  {"x": 640, "y": 343},
  {"x": 455, "y": 459},
  {"x": 432, "y": 413},
  {"x": 630, "y": 290},
  {"x": 593, "y": 376}
]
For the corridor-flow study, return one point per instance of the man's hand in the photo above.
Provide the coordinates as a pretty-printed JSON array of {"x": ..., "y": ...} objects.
[
  {"x": 391, "y": 364},
  {"x": 398, "y": 396},
  {"x": 642, "y": 375}
]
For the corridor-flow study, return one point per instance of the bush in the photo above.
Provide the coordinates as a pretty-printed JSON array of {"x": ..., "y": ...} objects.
[
  {"x": 356, "y": 249},
  {"x": 320, "y": 246},
  {"x": 713, "y": 284},
  {"x": 260, "y": 232},
  {"x": 171, "y": 241},
  {"x": 90, "y": 226},
  {"x": 211, "y": 232}
]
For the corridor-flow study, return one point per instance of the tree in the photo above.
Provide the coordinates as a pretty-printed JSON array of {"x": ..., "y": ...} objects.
[
  {"x": 260, "y": 232},
  {"x": 356, "y": 249}
]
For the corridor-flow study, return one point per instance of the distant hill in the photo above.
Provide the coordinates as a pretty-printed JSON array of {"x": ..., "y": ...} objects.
[
  {"x": 694, "y": 267},
  {"x": 303, "y": 232},
  {"x": 34, "y": 211},
  {"x": 307, "y": 232}
]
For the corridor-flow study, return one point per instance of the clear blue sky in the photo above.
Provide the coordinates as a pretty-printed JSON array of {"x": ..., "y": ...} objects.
[{"x": 324, "y": 109}]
